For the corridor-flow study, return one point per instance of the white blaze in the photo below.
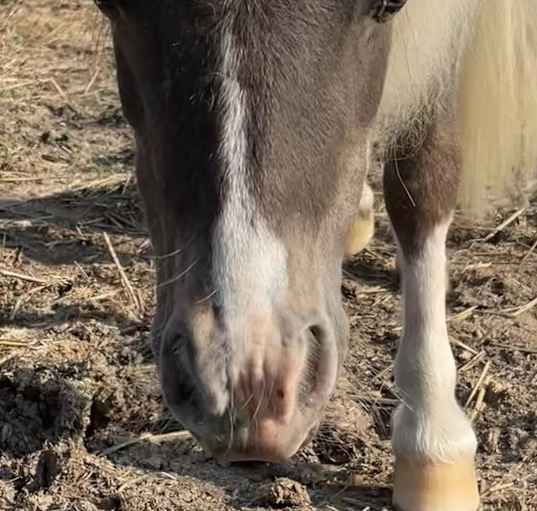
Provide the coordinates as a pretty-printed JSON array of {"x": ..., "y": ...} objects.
[{"x": 249, "y": 263}]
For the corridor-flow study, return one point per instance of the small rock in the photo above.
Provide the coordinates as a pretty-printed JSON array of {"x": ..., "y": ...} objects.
[
  {"x": 282, "y": 493},
  {"x": 496, "y": 392},
  {"x": 492, "y": 440}
]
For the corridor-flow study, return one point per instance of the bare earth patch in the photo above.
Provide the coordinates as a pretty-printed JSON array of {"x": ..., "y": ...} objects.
[{"x": 82, "y": 424}]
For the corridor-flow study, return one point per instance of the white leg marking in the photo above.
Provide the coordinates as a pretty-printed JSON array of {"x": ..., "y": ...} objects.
[{"x": 429, "y": 425}]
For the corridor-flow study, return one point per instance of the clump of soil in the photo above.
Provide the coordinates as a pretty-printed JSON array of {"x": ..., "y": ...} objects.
[
  {"x": 282, "y": 493},
  {"x": 37, "y": 407}
]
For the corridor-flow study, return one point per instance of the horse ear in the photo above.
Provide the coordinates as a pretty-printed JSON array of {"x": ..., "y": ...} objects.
[{"x": 383, "y": 10}]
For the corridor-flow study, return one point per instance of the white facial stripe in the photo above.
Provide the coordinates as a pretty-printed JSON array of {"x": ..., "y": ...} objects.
[{"x": 249, "y": 263}]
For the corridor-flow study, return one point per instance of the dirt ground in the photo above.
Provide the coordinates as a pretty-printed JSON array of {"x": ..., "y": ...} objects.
[{"x": 82, "y": 424}]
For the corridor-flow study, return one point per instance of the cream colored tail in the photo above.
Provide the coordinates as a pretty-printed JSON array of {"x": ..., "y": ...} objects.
[{"x": 498, "y": 100}]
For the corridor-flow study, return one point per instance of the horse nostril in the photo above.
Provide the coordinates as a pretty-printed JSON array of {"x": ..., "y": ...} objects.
[
  {"x": 316, "y": 337},
  {"x": 317, "y": 333},
  {"x": 259, "y": 404},
  {"x": 318, "y": 379}
]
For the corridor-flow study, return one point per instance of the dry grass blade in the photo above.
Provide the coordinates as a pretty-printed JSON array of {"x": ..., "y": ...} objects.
[
  {"x": 522, "y": 349},
  {"x": 460, "y": 344},
  {"x": 23, "y": 276},
  {"x": 505, "y": 224},
  {"x": 134, "y": 481},
  {"x": 135, "y": 299},
  {"x": 497, "y": 487},
  {"x": 104, "y": 296},
  {"x": 472, "y": 362},
  {"x": 378, "y": 401},
  {"x": 148, "y": 437},
  {"x": 82, "y": 186},
  {"x": 530, "y": 251},
  {"x": 59, "y": 89},
  {"x": 13, "y": 344},
  {"x": 524, "y": 308},
  {"x": 465, "y": 314},
  {"x": 6, "y": 359},
  {"x": 20, "y": 179},
  {"x": 478, "y": 385},
  {"x": 479, "y": 401},
  {"x": 23, "y": 299}
]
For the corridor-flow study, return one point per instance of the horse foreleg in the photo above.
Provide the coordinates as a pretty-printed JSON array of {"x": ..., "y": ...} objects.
[{"x": 433, "y": 441}]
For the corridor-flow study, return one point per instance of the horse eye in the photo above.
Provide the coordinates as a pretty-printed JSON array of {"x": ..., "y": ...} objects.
[{"x": 383, "y": 10}]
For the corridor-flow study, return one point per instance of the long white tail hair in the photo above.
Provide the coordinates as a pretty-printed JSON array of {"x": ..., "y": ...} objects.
[
  {"x": 487, "y": 51},
  {"x": 498, "y": 104}
]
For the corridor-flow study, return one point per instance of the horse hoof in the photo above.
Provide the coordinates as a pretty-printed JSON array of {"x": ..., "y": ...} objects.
[
  {"x": 363, "y": 229},
  {"x": 435, "y": 486},
  {"x": 360, "y": 234}
]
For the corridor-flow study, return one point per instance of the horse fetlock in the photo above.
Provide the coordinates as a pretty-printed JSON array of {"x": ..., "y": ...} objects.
[
  {"x": 442, "y": 435},
  {"x": 434, "y": 486}
]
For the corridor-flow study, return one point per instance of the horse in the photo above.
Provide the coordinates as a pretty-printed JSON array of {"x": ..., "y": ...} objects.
[{"x": 256, "y": 123}]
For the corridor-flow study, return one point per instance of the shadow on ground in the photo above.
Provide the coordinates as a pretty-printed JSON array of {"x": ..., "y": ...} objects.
[{"x": 64, "y": 228}]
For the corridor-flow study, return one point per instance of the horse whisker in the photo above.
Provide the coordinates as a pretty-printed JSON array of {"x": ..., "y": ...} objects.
[
  {"x": 180, "y": 276},
  {"x": 175, "y": 252},
  {"x": 208, "y": 297},
  {"x": 259, "y": 404},
  {"x": 231, "y": 415}
]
